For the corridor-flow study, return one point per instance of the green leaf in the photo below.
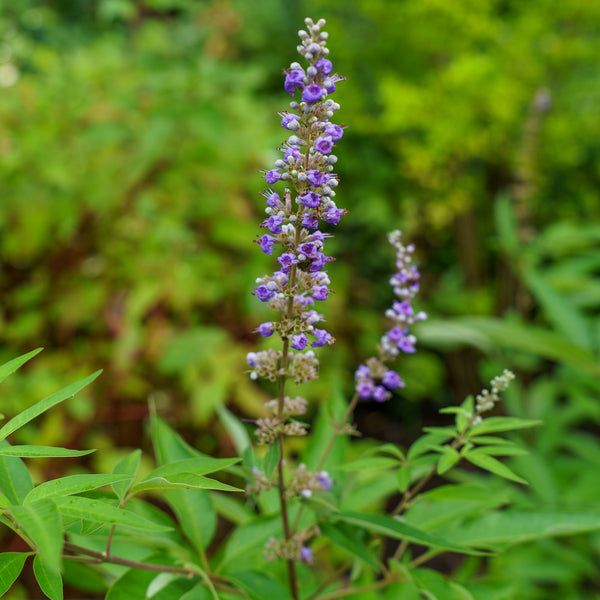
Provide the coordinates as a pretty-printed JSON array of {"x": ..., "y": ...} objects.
[
  {"x": 259, "y": 586},
  {"x": 182, "y": 481},
  {"x": 43, "y": 405},
  {"x": 447, "y": 460},
  {"x": 72, "y": 484},
  {"x": 502, "y": 529},
  {"x": 42, "y": 524},
  {"x": 271, "y": 460},
  {"x": 248, "y": 538},
  {"x": 347, "y": 537},
  {"x": 373, "y": 462},
  {"x": 564, "y": 315},
  {"x": 502, "y": 450},
  {"x": 389, "y": 449},
  {"x": 101, "y": 512},
  {"x": 41, "y": 452},
  {"x": 399, "y": 530},
  {"x": 198, "y": 592},
  {"x": 50, "y": 582},
  {"x": 489, "y": 463},
  {"x": 11, "y": 565},
  {"x": 128, "y": 467},
  {"x": 428, "y": 441},
  {"x": 15, "y": 480},
  {"x": 12, "y": 365},
  {"x": 235, "y": 428},
  {"x": 196, "y": 466},
  {"x": 194, "y": 509},
  {"x": 404, "y": 478},
  {"x": 496, "y": 424},
  {"x": 445, "y": 504}
]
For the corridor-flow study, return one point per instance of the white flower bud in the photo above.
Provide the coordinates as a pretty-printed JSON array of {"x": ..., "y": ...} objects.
[{"x": 280, "y": 164}]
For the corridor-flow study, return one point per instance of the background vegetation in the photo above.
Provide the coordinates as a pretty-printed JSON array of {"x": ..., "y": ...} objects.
[{"x": 132, "y": 133}]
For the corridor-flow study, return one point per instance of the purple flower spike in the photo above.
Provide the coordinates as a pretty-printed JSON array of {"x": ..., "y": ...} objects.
[
  {"x": 392, "y": 380},
  {"x": 306, "y": 555},
  {"x": 320, "y": 292},
  {"x": 365, "y": 389}
]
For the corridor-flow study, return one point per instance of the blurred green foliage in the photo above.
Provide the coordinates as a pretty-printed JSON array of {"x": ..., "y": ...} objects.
[{"x": 131, "y": 137}]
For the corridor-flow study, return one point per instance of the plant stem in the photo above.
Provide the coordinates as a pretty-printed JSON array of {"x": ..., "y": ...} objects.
[{"x": 287, "y": 532}]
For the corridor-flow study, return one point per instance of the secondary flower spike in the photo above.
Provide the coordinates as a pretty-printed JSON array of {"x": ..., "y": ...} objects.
[
  {"x": 375, "y": 380},
  {"x": 296, "y": 215}
]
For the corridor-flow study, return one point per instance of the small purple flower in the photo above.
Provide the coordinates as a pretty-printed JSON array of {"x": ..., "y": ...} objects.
[
  {"x": 335, "y": 131},
  {"x": 272, "y": 176},
  {"x": 274, "y": 223},
  {"x": 380, "y": 394},
  {"x": 310, "y": 221},
  {"x": 320, "y": 292},
  {"x": 272, "y": 197},
  {"x": 290, "y": 121},
  {"x": 392, "y": 380},
  {"x": 310, "y": 199},
  {"x": 324, "y": 144},
  {"x": 317, "y": 178},
  {"x": 325, "y": 480},
  {"x": 286, "y": 260},
  {"x": 265, "y": 329},
  {"x": 407, "y": 344},
  {"x": 329, "y": 85},
  {"x": 291, "y": 151},
  {"x": 319, "y": 262},
  {"x": 306, "y": 555},
  {"x": 403, "y": 308},
  {"x": 332, "y": 215},
  {"x": 299, "y": 341},
  {"x": 266, "y": 243},
  {"x": 264, "y": 293},
  {"x": 324, "y": 66},
  {"x": 364, "y": 388},
  {"x": 323, "y": 338},
  {"x": 363, "y": 372},
  {"x": 312, "y": 93},
  {"x": 395, "y": 334},
  {"x": 293, "y": 80},
  {"x": 309, "y": 249}
]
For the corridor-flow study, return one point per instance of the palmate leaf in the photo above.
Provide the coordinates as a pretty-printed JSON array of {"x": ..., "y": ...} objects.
[
  {"x": 399, "y": 530},
  {"x": 12, "y": 365},
  {"x": 11, "y": 565},
  {"x": 50, "y": 582},
  {"x": 25, "y": 451},
  {"x": 43, "y": 405},
  {"x": 72, "y": 484}
]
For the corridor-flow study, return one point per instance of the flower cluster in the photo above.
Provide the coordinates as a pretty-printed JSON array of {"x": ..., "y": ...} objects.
[
  {"x": 486, "y": 400},
  {"x": 374, "y": 379},
  {"x": 293, "y": 549},
  {"x": 294, "y": 216}
]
